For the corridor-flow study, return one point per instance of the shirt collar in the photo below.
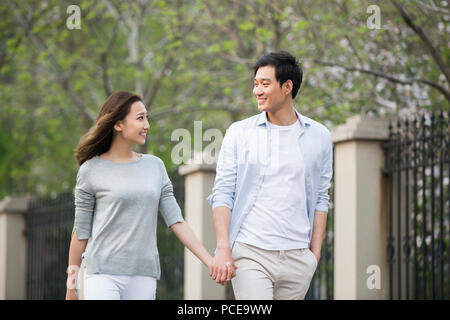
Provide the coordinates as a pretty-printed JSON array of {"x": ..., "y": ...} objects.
[{"x": 303, "y": 120}]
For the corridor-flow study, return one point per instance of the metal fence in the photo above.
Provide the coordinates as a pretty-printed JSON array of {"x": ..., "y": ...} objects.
[
  {"x": 49, "y": 225},
  {"x": 417, "y": 166}
]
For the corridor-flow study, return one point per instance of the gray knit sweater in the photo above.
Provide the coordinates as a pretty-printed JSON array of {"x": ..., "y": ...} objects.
[{"x": 116, "y": 208}]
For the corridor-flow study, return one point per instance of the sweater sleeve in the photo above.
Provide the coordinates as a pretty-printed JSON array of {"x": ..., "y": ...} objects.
[
  {"x": 84, "y": 204},
  {"x": 168, "y": 206}
]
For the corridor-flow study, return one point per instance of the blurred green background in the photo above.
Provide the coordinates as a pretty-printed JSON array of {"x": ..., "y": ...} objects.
[{"x": 191, "y": 60}]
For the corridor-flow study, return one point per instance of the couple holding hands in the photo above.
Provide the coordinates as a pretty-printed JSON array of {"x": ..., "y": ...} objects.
[{"x": 269, "y": 200}]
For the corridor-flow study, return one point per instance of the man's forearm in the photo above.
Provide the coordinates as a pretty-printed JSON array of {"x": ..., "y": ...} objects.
[
  {"x": 223, "y": 267},
  {"x": 222, "y": 218},
  {"x": 320, "y": 224}
]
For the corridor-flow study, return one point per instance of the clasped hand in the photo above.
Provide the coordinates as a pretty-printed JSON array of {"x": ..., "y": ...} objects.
[{"x": 222, "y": 268}]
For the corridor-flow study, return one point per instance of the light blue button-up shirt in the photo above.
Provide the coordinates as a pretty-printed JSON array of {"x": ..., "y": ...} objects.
[{"x": 243, "y": 161}]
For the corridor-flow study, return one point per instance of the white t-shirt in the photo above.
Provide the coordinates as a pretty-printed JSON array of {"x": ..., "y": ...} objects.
[{"x": 279, "y": 218}]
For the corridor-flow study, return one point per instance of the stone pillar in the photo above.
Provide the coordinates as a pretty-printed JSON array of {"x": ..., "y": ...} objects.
[
  {"x": 361, "y": 210},
  {"x": 13, "y": 248},
  {"x": 199, "y": 181}
]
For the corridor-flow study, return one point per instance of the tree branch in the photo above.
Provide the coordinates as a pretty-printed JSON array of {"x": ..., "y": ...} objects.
[
  {"x": 117, "y": 14},
  {"x": 433, "y": 7},
  {"x": 231, "y": 30},
  {"x": 354, "y": 50},
  {"x": 150, "y": 94},
  {"x": 423, "y": 36},
  {"x": 183, "y": 30},
  {"x": 58, "y": 71},
  {"x": 104, "y": 62},
  {"x": 445, "y": 92}
]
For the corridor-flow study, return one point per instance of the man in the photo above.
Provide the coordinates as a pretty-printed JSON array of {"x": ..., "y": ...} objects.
[{"x": 270, "y": 195}]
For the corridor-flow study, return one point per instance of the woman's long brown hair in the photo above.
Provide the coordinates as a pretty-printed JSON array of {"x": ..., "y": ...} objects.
[{"x": 99, "y": 137}]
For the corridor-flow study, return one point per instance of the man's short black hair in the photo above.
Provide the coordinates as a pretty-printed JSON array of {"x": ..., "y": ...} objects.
[{"x": 286, "y": 68}]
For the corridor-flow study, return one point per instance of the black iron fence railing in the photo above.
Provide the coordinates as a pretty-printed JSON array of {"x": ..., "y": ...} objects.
[
  {"x": 49, "y": 223},
  {"x": 417, "y": 166}
]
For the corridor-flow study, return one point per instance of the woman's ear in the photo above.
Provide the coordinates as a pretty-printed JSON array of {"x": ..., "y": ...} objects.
[{"x": 118, "y": 126}]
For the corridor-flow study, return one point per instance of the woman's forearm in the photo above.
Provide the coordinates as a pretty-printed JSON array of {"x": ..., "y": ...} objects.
[
  {"x": 185, "y": 234},
  {"x": 76, "y": 249}
]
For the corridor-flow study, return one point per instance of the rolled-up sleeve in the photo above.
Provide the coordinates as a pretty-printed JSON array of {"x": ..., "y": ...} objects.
[
  {"x": 84, "y": 205},
  {"x": 225, "y": 182},
  {"x": 326, "y": 173},
  {"x": 168, "y": 206}
]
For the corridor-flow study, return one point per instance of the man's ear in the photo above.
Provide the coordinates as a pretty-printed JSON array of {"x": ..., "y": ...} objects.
[{"x": 288, "y": 86}]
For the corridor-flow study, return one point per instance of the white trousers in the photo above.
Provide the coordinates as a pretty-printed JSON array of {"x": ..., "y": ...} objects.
[
  {"x": 272, "y": 274},
  {"x": 118, "y": 287}
]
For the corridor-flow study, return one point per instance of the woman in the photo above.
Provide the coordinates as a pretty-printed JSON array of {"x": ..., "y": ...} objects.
[{"x": 117, "y": 197}]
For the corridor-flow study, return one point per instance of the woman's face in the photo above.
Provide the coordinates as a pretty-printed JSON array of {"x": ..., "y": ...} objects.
[{"x": 135, "y": 125}]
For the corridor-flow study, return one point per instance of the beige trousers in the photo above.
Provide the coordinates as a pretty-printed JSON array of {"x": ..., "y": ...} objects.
[{"x": 272, "y": 274}]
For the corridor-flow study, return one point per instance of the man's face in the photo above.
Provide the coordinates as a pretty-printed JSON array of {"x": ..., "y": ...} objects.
[{"x": 267, "y": 90}]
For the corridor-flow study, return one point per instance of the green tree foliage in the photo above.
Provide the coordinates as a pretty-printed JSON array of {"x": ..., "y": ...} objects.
[{"x": 192, "y": 60}]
